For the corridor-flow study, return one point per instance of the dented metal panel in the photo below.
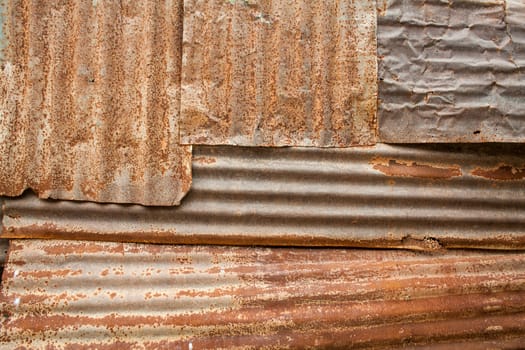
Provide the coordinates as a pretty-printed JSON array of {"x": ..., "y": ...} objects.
[
  {"x": 451, "y": 71},
  {"x": 279, "y": 73},
  {"x": 209, "y": 297},
  {"x": 90, "y": 98},
  {"x": 416, "y": 197}
]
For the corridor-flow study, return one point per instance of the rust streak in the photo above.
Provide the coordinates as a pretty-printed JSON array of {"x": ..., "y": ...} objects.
[
  {"x": 501, "y": 173},
  {"x": 394, "y": 167}
]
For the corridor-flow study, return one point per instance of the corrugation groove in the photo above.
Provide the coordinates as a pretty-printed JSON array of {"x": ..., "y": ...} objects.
[
  {"x": 419, "y": 197},
  {"x": 451, "y": 72},
  {"x": 90, "y": 95},
  {"x": 215, "y": 296},
  {"x": 279, "y": 73}
]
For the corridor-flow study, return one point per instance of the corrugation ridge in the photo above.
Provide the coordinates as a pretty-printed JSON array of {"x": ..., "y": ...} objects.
[
  {"x": 33, "y": 114},
  {"x": 149, "y": 66},
  {"x": 352, "y": 318}
]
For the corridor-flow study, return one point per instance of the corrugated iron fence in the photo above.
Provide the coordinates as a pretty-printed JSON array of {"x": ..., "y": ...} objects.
[{"x": 226, "y": 123}]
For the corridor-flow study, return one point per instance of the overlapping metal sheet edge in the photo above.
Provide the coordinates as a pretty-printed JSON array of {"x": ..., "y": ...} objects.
[
  {"x": 418, "y": 197},
  {"x": 451, "y": 71},
  {"x": 279, "y": 73},
  {"x": 210, "y": 297},
  {"x": 89, "y": 101}
]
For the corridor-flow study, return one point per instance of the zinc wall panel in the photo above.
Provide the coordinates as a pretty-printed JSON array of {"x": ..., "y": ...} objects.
[
  {"x": 85, "y": 295},
  {"x": 279, "y": 73},
  {"x": 451, "y": 71},
  {"x": 418, "y": 197},
  {"x": 90, "y": 99}
]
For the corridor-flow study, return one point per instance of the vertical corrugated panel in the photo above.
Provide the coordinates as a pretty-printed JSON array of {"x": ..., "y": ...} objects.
[
  {"x": 85, "y": 295},
  {"x": 279, "y": 72},
  {"x": 4, "y": 244},
  {"x": 420, "y": 197},
  {"x": 451, "y": 71},
  {"x": 90, "y": 101}
]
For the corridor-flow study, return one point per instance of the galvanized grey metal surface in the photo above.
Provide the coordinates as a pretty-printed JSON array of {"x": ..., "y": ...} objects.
[
  {"x": 418, "y": 197},
  {"x": 88, "y": 295},
  {"x": 4, "y": 244},
  {"x": 279, "y": 73},
  {"x": 89, "y": 101},
  {"x": 451, "y": 71}
]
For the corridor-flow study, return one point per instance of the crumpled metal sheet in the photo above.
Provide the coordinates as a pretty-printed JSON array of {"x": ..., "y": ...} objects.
[
  {"x": 89, "y": 101},
  {"x": 87, "y": 295},
  {"x": 279, "y": 73},
  {"x": 451, "y": 71},
  {"x": 416, "y": 197}
]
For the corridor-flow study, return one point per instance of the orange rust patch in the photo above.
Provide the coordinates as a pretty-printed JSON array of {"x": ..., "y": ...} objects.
[
  {"x": 501, "y": 173},
  {"x": 81, "y": 248},
  {"x": 50, "y": 274},
  {"x": 204, "y": 160},
  {"x": 394, "y": 167}
]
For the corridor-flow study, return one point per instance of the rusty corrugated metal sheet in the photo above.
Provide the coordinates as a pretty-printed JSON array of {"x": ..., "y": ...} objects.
[
  {"x": 278, "y": 73},
  {"x": 451, "y": 71},
  {"x": 85, "y": 295},
  {"x": 419, "y": 197},
  {"x": 89, "y": 100}
]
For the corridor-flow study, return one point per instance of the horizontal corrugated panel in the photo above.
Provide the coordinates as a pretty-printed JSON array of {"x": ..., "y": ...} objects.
[
  {"x": 279, "y": 73},
  {"x": 85, "y": 295},
  {"x": 89, "y": 100},
  {"x": 451, "y": 71},
  {"x": 420, "y": 197}
]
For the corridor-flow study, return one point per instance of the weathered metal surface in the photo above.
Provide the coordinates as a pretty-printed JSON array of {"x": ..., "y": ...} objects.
[
  {"x": 85, "y": 295},
  {"x": 4, "y": 243},
  {"x": 451, "y": 71},
  {"x": 418, "y": 197},
  {"x": 89, "y": 101},
  {"x": 279, "y": 72}
]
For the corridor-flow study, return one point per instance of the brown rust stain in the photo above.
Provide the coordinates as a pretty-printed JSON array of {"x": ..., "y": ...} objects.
[
  {"x": 48, "y": 274},
  {"x": 393, "y": 167},
  {"x": 82, "y": 248},
  {"x": 501, "y": 173}
]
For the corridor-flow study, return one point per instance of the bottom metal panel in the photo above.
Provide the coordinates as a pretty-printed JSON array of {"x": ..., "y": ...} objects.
[{"x": 94, "y": 295}]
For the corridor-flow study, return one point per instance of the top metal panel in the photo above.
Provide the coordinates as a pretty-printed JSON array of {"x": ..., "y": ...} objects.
[
  {"x": 279, "y": 72},
  {"x": 89, "y": 101},
  {"x": 451, "y": 71}
]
